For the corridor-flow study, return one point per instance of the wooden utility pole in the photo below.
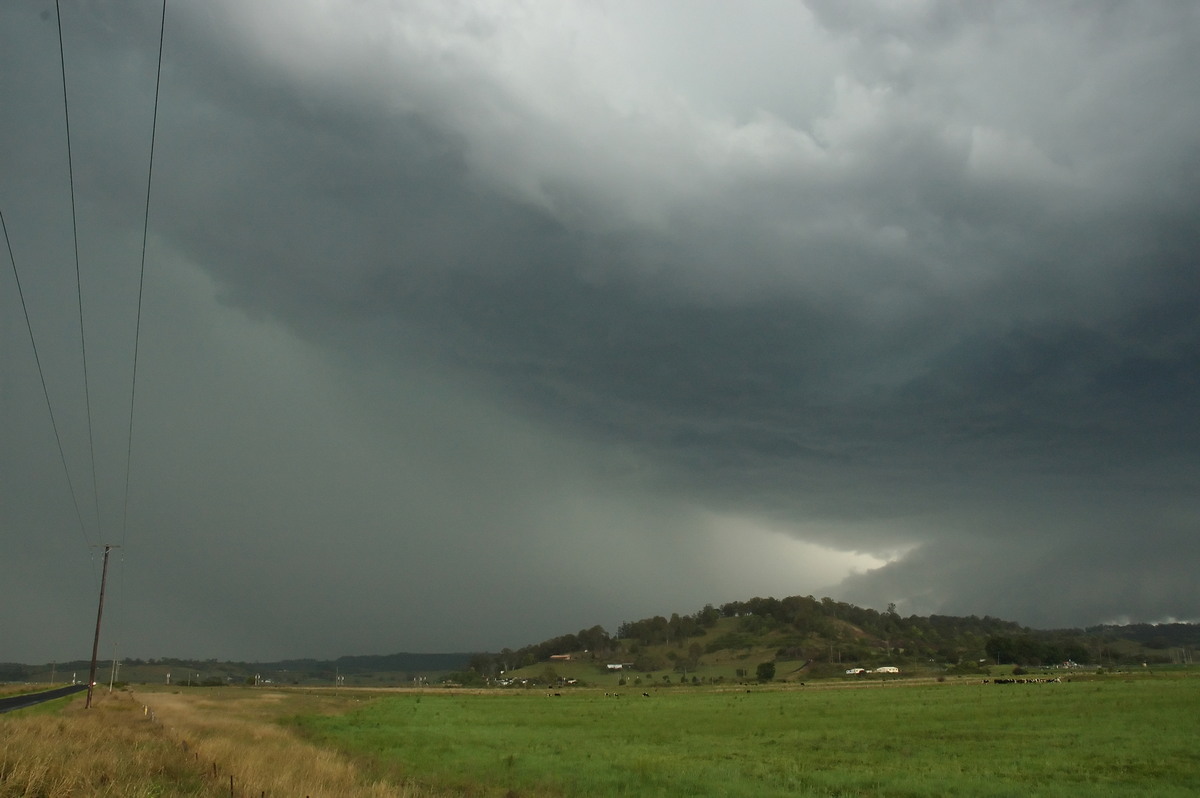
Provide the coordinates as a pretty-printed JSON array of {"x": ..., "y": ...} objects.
[{"x": 96, "y": 640}]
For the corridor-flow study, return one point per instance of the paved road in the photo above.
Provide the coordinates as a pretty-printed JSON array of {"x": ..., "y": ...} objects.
[{"x": 29, "y": 699}]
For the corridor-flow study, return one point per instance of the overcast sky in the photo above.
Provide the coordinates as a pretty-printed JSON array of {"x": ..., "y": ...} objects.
[{"x": 468, "y": 324}]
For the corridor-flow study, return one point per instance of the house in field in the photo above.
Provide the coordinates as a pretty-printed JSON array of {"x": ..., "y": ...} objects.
[
  {"x": 887, "y": 669},
  {"x": 856, "y": 671},
  {"x": 560, "y": 657}
]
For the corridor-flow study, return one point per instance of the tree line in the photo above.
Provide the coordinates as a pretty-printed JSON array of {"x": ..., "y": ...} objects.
[{"x": 825, "y": 630}]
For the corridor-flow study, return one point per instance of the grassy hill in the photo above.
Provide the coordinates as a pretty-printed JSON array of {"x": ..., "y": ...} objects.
[
  {"x": 800, "y": 637},
  {"x": 803, "y": 637},
  {"x": 721, "y": 653}
]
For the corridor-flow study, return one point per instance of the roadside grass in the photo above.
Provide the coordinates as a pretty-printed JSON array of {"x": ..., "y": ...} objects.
[
  {"x": 201, "y": 743},
  {"x": 59, "y": 749},
  {"x": 1117, "y": 736},
  {"x": 51, "y": 707},
  {"x": 236, "y": 732},
  {"x": 9, "y": 690}
]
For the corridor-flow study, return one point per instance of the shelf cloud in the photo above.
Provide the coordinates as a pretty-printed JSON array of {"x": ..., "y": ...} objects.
[{"x": 465, "y": 325}]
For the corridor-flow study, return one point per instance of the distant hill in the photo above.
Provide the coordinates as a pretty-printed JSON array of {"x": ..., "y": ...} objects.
[
  {"x": 827, "y": 637},
  {"x": 372, "y": 663},
  {"x": 379, "y": 670},
  {"x": 810, "y": 638},
  {"x": 1154, "y": 636}
]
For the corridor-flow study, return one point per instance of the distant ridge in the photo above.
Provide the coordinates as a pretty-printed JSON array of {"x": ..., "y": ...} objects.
[
  {"x": 801, "y": 628},
  {"x": 402, "y": 662},
  {"x": 825, "y": 634},
  {"x": 345, "y": 665}
]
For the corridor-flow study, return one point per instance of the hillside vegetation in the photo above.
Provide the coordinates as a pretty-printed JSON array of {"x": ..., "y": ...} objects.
[
  {"x": 801, "y": 637},
  {"x": 794, "y": 638}
]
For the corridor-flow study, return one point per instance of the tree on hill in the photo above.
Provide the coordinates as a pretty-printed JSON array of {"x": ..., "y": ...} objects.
[
  {"x": 765, "y": 671},
  {"x": 832, "y": 631},
  {"x": 595, "y": 640}
]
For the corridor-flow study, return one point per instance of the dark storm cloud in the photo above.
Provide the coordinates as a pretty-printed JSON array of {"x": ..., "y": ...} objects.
[{"x": 467, "y": 295}]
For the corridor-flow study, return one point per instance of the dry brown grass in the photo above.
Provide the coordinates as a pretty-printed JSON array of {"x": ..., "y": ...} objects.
[
  {"x": 13, "y": 689},
  {"x": 109, "y": 750},
  {"x": 237, "y": 732},
  {"x": 187, "y": 743}
]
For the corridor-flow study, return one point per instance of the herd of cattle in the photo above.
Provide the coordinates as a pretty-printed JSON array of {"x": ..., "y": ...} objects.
[{"x": 1023, "y": 681}]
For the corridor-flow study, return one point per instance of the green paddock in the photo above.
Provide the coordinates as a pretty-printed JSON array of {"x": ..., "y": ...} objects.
[{"x": 1120, "y": 735}]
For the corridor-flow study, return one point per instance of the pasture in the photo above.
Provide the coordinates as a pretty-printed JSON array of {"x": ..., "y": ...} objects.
[
  {"x": 1119, "y": 735},
  {"x": 1113, "y": 736}
]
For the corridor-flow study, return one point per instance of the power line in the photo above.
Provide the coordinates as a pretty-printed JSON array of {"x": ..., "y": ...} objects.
[
  {"x": 41, "y": 374},
  {"x": 78, "y": 282},
  {"x": 142, "y": 273},
  {"x": 83, "y": 334}
]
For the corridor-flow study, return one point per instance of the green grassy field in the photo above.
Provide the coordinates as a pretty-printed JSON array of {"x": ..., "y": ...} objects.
[{"x": 1120, "y": 735}]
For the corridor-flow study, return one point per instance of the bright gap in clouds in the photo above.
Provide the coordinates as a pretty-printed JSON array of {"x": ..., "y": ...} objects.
[
  {"x": 1127, "y": 620},
  {"x": 755, "y": 558}
]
